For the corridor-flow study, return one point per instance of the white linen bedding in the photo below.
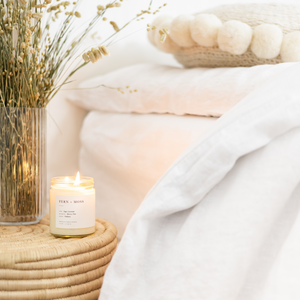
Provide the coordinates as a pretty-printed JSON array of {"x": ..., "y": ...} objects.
[
  {"x": 127, "y": 153},
  {"x": 165, "y": 89},
  {"x": 223, "y": 223}
]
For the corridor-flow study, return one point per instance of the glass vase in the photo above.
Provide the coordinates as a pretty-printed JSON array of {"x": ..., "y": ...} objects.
[{"x": 23, "y": 176}]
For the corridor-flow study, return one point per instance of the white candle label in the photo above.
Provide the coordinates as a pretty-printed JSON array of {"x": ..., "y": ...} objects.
[{"x": 75, "y": 211}]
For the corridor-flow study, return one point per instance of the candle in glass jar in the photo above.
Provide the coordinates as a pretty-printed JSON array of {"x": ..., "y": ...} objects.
[{"x": 72, "y": 206}]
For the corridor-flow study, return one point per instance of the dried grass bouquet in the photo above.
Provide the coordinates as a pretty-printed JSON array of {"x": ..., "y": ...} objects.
[
  {"x": 34, "y": 63},
  {"x": 38, "y": 55}
]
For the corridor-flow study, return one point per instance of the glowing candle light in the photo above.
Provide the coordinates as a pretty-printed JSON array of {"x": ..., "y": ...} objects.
[{"x": 72, "y": 206}]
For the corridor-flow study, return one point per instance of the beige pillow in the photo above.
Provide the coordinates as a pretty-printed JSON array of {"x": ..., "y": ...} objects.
[{"x": 239, "y": 35}]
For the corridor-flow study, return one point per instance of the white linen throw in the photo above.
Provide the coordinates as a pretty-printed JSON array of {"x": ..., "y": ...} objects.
[{"x": 223, "y": 223}]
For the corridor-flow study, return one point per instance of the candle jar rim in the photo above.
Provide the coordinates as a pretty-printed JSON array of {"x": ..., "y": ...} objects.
[{"x": 60, "y": 181}]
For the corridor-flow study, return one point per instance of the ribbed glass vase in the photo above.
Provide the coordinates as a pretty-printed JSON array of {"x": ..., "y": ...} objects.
[{"x": 23, "y": 176}]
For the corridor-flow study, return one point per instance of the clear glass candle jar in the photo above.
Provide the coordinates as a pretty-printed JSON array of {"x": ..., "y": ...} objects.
[{"x": 72, "y": 206}]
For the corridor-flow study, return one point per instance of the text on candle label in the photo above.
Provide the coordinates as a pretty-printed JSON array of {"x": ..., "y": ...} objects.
[{"x": 75, "y": 211}]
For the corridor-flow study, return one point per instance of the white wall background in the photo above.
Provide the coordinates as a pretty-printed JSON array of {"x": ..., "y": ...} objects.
[{"x": 65, "y": 120}]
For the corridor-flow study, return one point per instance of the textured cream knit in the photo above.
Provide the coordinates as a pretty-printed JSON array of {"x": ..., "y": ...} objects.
[{"x": 287, "y": 17}]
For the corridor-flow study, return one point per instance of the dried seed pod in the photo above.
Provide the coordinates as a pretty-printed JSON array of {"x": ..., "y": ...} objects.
[
  {"x": 28, "y": 32},
  {"x": 97, "y": 53},
  {"x": 37, "y": 16},
  {"x": 92, "y": 56},
  {"x": 65, "y": 4},
  {"x": 166, "y": 30},
  {"x": 115, "y": 26},
  {"x": 104, "y": 51},
  {"x": 163, "y": 38},
  {"x": 85, "y": 57}
]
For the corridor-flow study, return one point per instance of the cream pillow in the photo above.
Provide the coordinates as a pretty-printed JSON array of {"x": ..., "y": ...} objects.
[
  {"x": 239, "y": 35},
  {"x": 164, "y": 89},
  {"x": 126, "y": 154}
]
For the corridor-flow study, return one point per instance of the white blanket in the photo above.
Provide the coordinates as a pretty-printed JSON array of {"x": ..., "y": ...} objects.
[{"x": 223, "y": 223}]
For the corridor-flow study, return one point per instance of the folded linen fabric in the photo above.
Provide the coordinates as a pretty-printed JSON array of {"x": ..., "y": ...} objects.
[
  {"x": 164, "y": 89},
  {"x": 126, "y": 154},
  {"x": 223, "y": 222}
]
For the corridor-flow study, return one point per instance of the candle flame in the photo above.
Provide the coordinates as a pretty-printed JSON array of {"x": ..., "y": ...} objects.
[
  {"x": 77, "y": 180},
  {"x": 67, "y": 179}
]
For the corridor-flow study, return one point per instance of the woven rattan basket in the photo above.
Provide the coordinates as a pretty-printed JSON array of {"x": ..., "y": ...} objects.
[{"x": 35, "y": 265}]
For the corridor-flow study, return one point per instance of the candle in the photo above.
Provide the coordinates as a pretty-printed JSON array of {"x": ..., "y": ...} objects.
[{"x": 72, "y": 206}]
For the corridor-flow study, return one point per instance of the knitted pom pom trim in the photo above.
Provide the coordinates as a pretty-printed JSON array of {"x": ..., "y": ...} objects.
[{"x": 198, "y": 35}]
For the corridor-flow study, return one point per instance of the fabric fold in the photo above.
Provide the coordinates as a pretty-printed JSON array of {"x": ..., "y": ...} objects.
[{"x": 201, "y": 232}]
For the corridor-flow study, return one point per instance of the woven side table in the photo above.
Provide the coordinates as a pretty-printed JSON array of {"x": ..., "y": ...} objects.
[{"x": 35, "y": 265}]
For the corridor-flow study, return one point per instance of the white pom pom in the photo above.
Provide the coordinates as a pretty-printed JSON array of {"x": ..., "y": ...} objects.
[
  {"x": 156, "y": 22},
  {"x": 169, "y": 46},
  {"x": 290, "y": 47},
  {"x": 180, "y": 31},
  {"x": 267, "y": 39},
  {"x": 234, "y": 37},
  {"x": 204, "y": 29}
]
